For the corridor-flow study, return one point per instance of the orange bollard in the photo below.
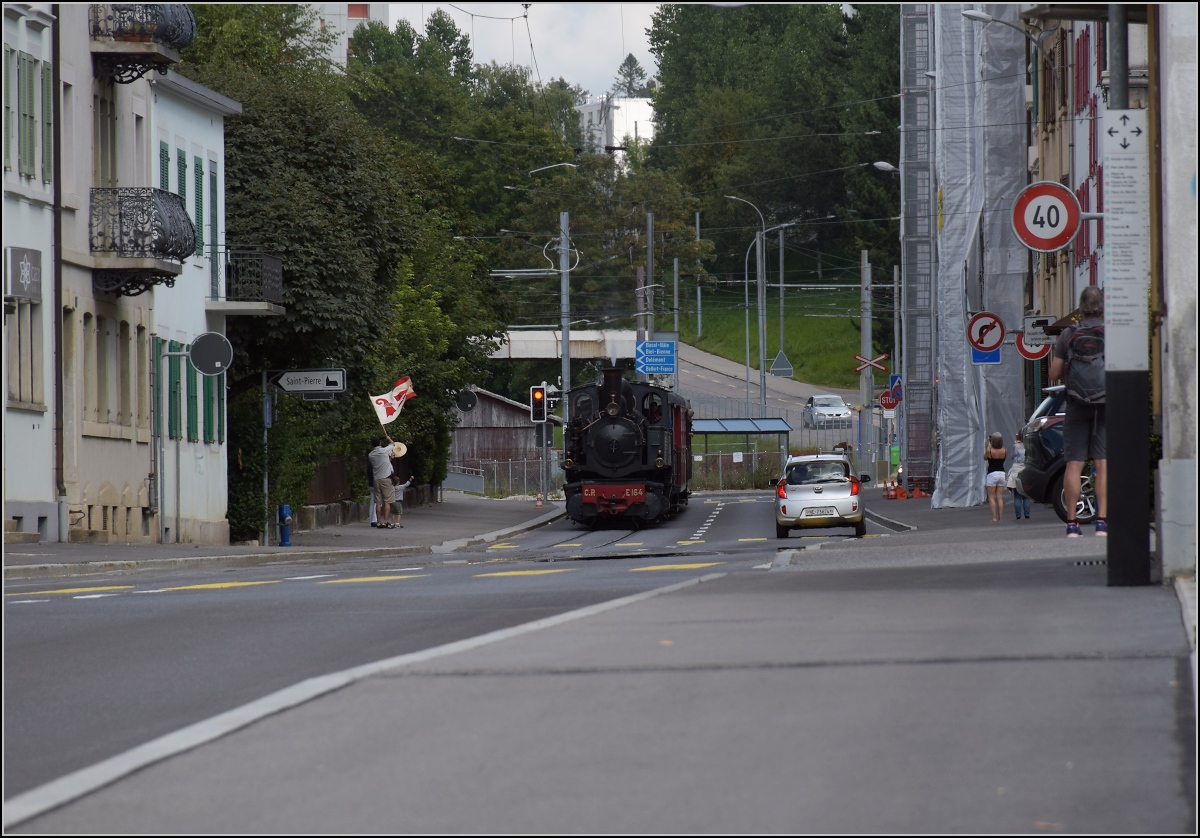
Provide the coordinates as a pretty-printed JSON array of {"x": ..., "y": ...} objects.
[{"x": 539, "y": 500}]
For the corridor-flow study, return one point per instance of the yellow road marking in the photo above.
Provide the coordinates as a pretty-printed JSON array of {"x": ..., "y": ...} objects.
[
  {"x": 215, "y": 585},
  {"x": 692, "y": 541},
  {"x": 75, "y": 590},
  {"x": 751, "y": 539},
  {"x": 630, "y": 544},
  {"x": 747, "y": 500},
  {"x": 503, "y": 547},
  {"x": 373, "y": 579},
  {"x": 568, "y": 545},
  {"x": 714, "y": 500},
  {"x": 526, "y": 572},
  {"x": 675, "y": 566}
]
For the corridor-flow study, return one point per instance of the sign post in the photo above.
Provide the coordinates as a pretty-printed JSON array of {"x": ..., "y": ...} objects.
[{"x": 1127, "y": 340}]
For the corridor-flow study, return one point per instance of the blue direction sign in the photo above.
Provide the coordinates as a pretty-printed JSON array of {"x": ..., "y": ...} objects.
[
  {"x": 985, "y": 356},
  {"x": 655, "y": 357}
]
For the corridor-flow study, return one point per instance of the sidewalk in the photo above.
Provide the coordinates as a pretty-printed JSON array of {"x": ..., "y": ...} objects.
[{"x": 426, "y": 530}]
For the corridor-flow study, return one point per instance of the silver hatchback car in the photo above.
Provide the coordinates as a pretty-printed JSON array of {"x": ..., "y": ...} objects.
[{"x": 816, "y": 491}]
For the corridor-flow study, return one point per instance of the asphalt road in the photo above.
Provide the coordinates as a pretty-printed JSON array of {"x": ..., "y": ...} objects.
[{"x": 959, "y": 678}]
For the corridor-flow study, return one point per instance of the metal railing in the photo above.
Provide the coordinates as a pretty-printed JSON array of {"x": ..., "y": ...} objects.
[
  {"x": 140, "y": 222},
  {"x": 170, "y": 24},
  {"x": 246, "y": 274}
]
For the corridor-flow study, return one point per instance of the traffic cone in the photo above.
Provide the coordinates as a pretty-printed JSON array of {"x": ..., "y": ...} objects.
[
  {"x": 892, "y": 491},
  {"x": 901, "y": 492},
  {"x": 539, "y": 500},
  {"x": 917, "y": 493}
]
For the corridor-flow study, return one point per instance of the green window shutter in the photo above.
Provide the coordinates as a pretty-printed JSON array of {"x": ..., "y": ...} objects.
[
  {"x": 8, "y": 106},
  {"x": 214, "y": 271},
  {"x": 220, "y": 408},
  {"x": 47, "y": 123},
  {"x": 193, "y": 406},
  {"x": 173, "y": 383},
  {"x": 181, "y": 165},
  {"x": 157, "y": 350},
  {"x": 164, "y": 167},
  {"x": 199, "y": 207},
  {"x": 210, "y": 406},
  {"x": 28, "y": 125}
]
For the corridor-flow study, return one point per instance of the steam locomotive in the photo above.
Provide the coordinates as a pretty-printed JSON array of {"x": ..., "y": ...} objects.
[{"x": 627, "y": 451}]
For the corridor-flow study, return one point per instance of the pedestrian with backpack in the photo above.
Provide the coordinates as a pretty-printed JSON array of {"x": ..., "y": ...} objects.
[{"x": 1079, "y": 364}]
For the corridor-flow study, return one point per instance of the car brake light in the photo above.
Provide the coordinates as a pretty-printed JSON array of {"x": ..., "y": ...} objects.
[
  {"x": 781, "y": 489},
  {"x": 854, "y": 484}
]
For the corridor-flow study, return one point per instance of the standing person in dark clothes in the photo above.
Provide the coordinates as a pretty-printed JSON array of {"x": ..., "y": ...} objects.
[
  {"x": 381, "y": 465},
  {"x": 1083, "y": 426}
]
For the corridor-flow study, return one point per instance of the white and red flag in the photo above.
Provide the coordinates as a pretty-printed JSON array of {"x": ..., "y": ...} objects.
[{"x": 388, "y": 406}]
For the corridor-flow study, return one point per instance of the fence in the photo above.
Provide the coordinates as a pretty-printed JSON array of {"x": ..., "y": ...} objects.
[{"x": 506, "y": 478}]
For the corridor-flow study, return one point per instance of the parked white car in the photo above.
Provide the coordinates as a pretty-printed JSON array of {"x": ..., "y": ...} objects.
[{"x": 818, "y": 491}]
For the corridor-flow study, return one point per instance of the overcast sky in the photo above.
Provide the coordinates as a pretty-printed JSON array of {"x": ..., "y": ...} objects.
[{"x": 581, "y": 42}]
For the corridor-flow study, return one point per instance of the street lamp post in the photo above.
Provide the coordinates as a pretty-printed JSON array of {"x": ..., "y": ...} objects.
[{"x": 760, "y": 274}]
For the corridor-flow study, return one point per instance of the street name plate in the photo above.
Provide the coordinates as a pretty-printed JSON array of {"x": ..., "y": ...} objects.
[{"x": 310, "y": 381}]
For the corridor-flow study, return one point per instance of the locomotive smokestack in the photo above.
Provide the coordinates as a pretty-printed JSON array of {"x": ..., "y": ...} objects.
[{"x": 610, "y": 391}]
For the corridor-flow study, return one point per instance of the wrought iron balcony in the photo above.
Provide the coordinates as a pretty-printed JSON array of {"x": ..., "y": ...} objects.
[
  {"x": 245, "y": 280},
  {"x": 142, "y": 236},
  {"x": 130, "y": 39}
]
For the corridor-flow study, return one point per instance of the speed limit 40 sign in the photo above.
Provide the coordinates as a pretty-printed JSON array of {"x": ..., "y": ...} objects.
[{"x": 1046, "y": 216}]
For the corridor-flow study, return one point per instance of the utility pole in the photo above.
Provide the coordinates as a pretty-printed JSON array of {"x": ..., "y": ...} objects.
[
  {"x": 675, "y": 308},
  {"x": 564, "y": 267},
  {"x": 781, "y": 290},
  {"x": 762, "y": 324},
  {"x": 896, "y": 320},
  {"x": 641, "y": 317},
  {"x": 650, "y": 274},
  {"x": 866, "y": 383},
  {"x": 698, "y": 330}
]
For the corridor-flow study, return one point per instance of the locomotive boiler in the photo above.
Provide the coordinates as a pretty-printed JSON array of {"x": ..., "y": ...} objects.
[{"x": 627, "y": 451}]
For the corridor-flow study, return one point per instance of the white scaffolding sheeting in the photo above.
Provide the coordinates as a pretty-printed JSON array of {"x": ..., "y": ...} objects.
[{"x": 981, "y": 166}]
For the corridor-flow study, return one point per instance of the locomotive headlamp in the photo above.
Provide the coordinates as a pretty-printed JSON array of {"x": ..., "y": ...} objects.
[
  {"x": 568, "y": 464},
  {"x": 613, "y": 409},
  {"x": 658, "y": 463}
]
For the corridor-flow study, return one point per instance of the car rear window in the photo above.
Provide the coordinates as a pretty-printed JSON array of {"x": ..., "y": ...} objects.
[{"x": 818, "y": 472}]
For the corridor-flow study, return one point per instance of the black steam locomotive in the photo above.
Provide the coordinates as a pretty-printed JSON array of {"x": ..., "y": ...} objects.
[{"x": 627, "y": 451}]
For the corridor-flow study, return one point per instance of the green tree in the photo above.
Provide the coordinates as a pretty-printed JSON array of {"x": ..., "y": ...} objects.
[{"x": 631, "y": 78}]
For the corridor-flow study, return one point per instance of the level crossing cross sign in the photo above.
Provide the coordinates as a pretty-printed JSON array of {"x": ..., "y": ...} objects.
[{"x": 877, "y": 363}]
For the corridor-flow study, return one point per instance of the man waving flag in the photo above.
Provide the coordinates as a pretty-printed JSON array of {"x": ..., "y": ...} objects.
[{"x": 388, "y": 406}]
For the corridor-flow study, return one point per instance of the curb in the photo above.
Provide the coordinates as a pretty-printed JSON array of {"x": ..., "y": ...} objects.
[
  {"x": 51, "y": 571},
  {"x": 894, "y": 526}
]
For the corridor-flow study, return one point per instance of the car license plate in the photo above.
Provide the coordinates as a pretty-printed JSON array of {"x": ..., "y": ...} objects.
[{"x": 819, "y": 512}]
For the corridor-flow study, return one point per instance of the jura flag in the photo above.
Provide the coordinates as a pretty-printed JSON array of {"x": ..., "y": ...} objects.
[{"x": 388, "y": 406}]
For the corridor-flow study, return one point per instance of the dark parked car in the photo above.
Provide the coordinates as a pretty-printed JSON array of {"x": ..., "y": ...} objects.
[{"x": 1042, "y": 476}]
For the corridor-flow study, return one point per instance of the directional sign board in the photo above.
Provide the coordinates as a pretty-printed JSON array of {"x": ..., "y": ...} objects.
[
  {"x": 655, "y": 357},
  {"x": 1034, "y": 331},
  {"x": 1126, "y": 241},
  {"x": 985, "y": 332},
  {"x": 310, "y": 381},
  {"x": 1046, "y": 216}
]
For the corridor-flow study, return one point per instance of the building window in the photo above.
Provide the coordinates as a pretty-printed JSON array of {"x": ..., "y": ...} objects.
[
  {"x": 210, "y": 408},
  {"x": 9, "y": 75},
  {"x": 125, "y": 373},
  {"x": 104, "y": 365},
  {"x": 104, "y": 131},
  {"x": 214, "y": 271},
  {"x": 23, "y": 331},
  {"x": 1100, "y": 205},
  {"x": 193, "y": 409},
  {"x": 358, "y": 11},
  {"x": 47, "y": 123},
  {"x": 142, "y": 348},
  {"x": 173, "y": 384},
  {"x": 199, "y": 207},
  {"x": 181, "y": 174},
  {"x": 27, "y": 125}
]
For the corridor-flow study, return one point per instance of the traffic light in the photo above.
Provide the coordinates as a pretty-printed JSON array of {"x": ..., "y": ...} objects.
[{"x": 537, "y": 403}]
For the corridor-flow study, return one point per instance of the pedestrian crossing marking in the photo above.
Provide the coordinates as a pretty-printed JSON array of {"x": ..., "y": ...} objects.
[
  {"x": 373, "y": 579},
  {"x": 75, "y": 590},
  {"x": 526, "y": 572},
  {"x": 695, "y": 566}
]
